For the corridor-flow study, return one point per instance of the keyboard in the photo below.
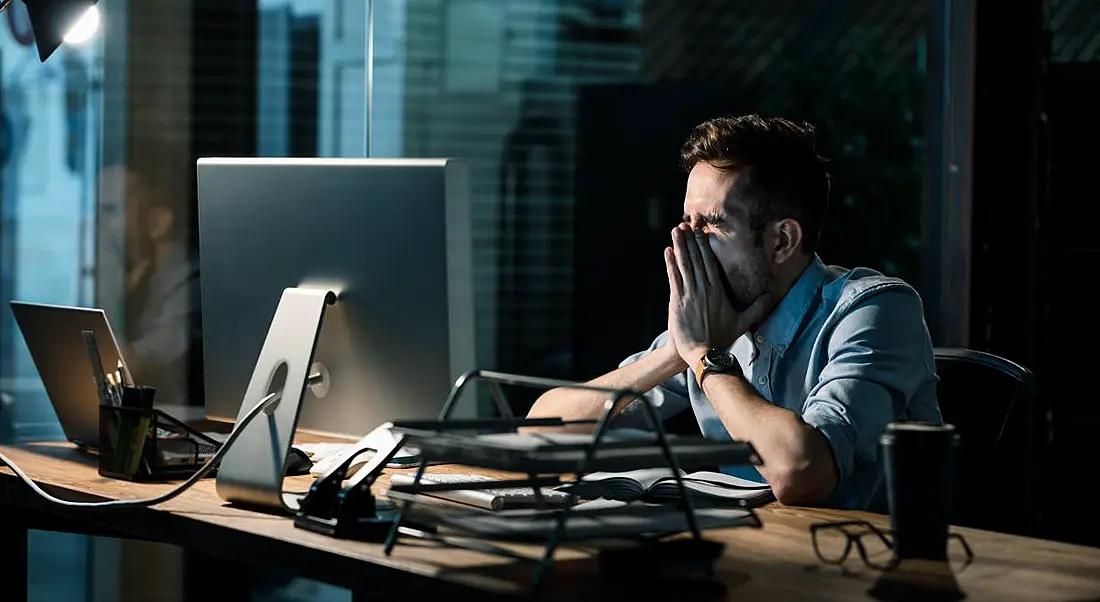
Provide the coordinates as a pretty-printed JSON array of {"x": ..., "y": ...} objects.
[{"x": 508, "y": 498}]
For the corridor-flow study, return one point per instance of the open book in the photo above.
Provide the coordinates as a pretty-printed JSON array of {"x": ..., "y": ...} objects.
[{"x": 658, "y": 486}]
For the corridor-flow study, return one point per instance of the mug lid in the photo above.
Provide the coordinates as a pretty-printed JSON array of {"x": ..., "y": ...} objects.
[
  {"x": 924, "y": 427},
  {"x": 914, "y": 433}
]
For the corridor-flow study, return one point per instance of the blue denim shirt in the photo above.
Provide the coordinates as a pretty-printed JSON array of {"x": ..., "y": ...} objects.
[{"x": 848, "y": 351}]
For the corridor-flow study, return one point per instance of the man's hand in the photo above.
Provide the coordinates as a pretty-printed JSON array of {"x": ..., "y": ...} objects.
[{"x": 700, "y": 315}]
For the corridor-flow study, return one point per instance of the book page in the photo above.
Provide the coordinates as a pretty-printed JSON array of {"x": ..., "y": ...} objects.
[
  {"x": 644, "y": 477},
  {"x": 724, "y": 480},
  {"x": 617, "y": 485},
  {"x": 716, "y": 488}
]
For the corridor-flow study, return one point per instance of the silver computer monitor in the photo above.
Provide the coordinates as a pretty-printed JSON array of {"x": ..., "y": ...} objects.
[{"x": 391, "y": 237}]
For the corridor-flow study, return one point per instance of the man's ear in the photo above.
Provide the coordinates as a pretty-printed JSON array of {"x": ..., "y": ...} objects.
[{"x": 788, "y": 239}]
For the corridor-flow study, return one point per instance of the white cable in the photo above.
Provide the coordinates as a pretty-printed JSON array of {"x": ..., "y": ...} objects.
[{"x": 160, "y": 499}]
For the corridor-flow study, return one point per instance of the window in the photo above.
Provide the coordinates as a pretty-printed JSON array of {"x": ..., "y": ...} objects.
[{"x": 49, "y": 165}]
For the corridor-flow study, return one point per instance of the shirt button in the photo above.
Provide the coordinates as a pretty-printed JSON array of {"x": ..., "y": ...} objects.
[
  {"x": 759, "y": 338},
  {"x": 763, "y": 380}
]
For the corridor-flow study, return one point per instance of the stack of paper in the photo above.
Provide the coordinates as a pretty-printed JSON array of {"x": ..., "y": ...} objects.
[{"x": 327, "y": 456}]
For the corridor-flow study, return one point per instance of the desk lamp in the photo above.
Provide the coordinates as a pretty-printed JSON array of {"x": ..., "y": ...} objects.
[{"x": 59, "y": 21}]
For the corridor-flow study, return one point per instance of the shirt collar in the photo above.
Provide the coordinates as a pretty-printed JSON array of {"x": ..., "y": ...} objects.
[{"x": 780, "y": 328}]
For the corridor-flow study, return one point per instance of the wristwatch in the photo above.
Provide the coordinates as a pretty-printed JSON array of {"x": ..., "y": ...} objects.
[{"x": 716, "y": 361}]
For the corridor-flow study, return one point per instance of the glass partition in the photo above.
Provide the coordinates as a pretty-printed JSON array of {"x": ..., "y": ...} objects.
[{"x": 49, "y": 163}]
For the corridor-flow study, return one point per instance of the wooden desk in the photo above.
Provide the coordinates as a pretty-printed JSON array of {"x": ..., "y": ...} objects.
[{"x": 776, "y": 562}]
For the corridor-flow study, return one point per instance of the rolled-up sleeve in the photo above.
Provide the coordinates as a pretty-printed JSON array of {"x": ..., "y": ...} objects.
[
  {"x": 879, "y": 356},
  {"x": 669, "y": 398}
]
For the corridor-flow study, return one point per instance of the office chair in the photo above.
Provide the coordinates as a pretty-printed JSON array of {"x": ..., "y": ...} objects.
[{"x": 989, "y": 398}]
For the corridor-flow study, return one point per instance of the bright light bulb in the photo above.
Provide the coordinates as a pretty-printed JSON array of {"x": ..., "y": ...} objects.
[{"x": 85, "y": 28}]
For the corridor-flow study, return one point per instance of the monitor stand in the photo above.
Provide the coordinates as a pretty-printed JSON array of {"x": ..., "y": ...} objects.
[{"x": 252, "y": 470}]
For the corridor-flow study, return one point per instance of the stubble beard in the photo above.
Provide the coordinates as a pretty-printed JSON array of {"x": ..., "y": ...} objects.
[{"x": 747, "y": 283}]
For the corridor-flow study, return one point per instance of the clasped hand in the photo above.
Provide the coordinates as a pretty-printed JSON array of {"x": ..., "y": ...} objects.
[{"x": 700, "y": 314}]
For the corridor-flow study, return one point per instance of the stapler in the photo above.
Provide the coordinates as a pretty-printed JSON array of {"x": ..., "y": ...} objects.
[{"x": 350, "y": 511}]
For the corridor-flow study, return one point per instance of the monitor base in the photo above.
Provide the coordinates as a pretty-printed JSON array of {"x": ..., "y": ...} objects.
[{"x": 253, "y": 469}]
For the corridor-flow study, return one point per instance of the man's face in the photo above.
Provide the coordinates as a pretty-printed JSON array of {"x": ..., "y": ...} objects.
[{"x": 710, "y": 204}]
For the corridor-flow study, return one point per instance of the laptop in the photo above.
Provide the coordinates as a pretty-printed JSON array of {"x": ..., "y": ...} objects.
[{"x": 55, "y": 339}]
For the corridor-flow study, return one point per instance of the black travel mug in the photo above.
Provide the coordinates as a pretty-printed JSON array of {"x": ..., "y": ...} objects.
[{"x": 920, "y": 476}]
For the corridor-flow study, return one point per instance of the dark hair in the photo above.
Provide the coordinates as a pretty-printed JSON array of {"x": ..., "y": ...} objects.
[{"x": 783, "y": 175}]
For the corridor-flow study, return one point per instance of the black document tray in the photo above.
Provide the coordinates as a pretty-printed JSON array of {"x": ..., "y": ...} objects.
[
  {"x": 562, "y": 453},
  {"x": 631, "y": 521}
]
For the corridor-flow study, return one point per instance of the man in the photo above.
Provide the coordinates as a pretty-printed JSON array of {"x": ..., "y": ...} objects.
[
  {"x": 765, "y": 342},
  {"x": 161, "y": 282}
]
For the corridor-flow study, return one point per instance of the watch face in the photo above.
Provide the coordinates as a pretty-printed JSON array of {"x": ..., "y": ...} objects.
[{"x": 720, "y": 359}]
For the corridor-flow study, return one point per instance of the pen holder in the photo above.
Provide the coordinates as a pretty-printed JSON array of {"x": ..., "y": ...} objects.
[{"x": 145, "y": 444}]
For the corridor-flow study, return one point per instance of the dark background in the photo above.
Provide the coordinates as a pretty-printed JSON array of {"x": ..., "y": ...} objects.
[{"x": 857, "y": 69}]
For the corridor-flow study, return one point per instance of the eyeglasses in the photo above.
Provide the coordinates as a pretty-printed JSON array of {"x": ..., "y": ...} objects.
[{"x": 833, "y": 543}]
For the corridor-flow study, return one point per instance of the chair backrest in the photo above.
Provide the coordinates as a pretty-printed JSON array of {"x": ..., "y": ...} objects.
[{"x": 988, "y": 399}]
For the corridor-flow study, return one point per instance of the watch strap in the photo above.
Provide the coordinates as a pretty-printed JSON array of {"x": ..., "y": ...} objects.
[{"x": 700, "y": 370}]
